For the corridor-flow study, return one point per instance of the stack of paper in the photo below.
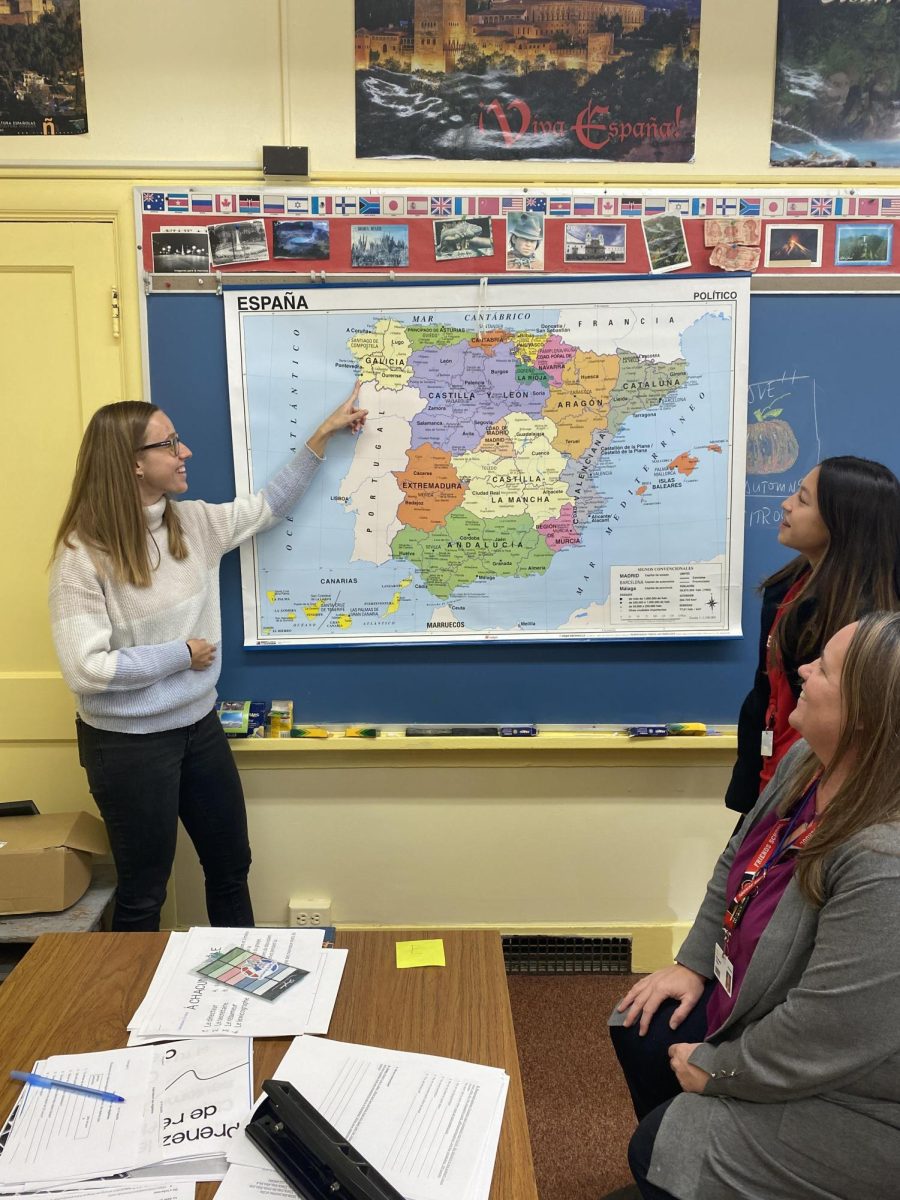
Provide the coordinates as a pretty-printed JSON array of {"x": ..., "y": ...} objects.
[
  {"x": 181, "y": 1003},
  {"x": 430, "y": 1125},
  {"x": 184, "y": 1103}
]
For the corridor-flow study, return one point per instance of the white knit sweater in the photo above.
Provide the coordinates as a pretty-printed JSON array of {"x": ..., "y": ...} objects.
[{"x": 123, "y": 649}]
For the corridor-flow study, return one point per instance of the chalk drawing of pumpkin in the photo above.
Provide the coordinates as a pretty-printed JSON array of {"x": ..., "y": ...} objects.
[{"x": 771, "y": 444}]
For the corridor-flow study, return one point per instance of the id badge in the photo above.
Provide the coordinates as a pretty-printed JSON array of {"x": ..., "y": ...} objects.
[
  {"x": 724, "y": 970},
  {"x": 767, "y": 743}
]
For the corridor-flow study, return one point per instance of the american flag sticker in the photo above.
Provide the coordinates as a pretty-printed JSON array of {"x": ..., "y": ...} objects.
[
  {"x": 512, "y": 204},
  {"x": 890, "y": 206}
]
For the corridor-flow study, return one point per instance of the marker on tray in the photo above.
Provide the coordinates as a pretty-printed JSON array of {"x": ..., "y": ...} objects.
[
  {"x": 647, "y": 730},
  {"x": 309, "y": 731},
  {"x": 360, "y": 731},
  {"x": 518, "y": 730}
]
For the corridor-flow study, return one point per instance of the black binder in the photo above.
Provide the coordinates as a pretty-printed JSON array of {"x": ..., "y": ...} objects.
[{"x": 309, "y": 1153}]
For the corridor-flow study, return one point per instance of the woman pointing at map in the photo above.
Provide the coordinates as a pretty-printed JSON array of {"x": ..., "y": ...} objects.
[{"x": 135, "y": 611}]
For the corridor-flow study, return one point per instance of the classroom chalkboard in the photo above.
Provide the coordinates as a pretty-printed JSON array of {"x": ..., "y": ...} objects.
[{"x": 821, "y": 383}]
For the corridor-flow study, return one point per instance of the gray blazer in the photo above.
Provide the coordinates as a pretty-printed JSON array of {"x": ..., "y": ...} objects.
[{"x": 803, "y": 1102}]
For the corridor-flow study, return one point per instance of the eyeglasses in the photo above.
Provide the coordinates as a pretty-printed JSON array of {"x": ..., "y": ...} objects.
[{"x": 173, "y": 443}]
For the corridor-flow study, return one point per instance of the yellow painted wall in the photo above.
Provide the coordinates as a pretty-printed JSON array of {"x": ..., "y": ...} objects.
[{"x": 189, "y": 93}]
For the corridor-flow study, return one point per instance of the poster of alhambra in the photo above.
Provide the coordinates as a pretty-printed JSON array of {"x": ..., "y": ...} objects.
[
  {"x": 565, "y": 80},
  {"x": 41, "y": 68}
]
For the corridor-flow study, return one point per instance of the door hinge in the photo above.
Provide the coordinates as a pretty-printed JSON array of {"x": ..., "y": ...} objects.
[{"x": 116, "y": 313}]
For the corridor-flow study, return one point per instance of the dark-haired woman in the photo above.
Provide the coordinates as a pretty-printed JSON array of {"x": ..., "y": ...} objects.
[
  {"x": 844, "y": 524},
  {"x": 134, "y": 607}
]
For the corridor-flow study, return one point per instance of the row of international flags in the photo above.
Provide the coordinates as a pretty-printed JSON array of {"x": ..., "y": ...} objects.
[{"x": 572, "y": 205}]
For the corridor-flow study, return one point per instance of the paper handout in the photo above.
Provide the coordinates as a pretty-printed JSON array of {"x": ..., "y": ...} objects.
[
  {"x": 430, "y": 1125},
  {"x": 184, "y": 1103},
  {"x": 180, "y": 1003}
]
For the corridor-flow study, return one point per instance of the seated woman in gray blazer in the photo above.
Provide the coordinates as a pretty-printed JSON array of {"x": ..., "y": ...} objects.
[{"x": 766, "y": 1062}]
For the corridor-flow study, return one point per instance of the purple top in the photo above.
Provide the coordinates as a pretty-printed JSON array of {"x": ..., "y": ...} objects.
[{"x": 759, "y": 910}]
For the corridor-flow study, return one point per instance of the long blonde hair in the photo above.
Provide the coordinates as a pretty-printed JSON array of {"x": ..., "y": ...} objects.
[
  {"x": 105, "y": 511},
  {"x": 870, "y": 793}
]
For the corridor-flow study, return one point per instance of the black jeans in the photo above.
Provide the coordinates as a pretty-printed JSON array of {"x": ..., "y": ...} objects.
[
  {"x": 142, "y": 783},
  {"x": 651, "y": 1081}
]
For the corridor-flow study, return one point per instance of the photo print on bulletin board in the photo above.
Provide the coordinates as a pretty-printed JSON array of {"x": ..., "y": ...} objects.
[
  {"x": 457, "y": 79},
  {"x": 666, "y": 243},
  {"x": 793, "y": 245},
  {"x": 180, "y": 248},
  {"x": 866, "y": 245},
  {"x": 524, "y": 241},
  {"x": 42, "y": 81},
  {"x": 301, "y": 239},
  {"x": 465, "y": 237},
  {"x": 837, "y": 88},
  {"x": 585, "y": 242},
  {"x": 379, "y": 246},
  {"x": 238, "y": 242}
]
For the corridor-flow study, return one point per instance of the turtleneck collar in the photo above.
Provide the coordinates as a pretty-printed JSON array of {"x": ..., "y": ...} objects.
[{"x": 153, "y": 514}]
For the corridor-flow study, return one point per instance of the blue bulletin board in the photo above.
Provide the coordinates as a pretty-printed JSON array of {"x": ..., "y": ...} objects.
[{"x": 822, "y": 382}]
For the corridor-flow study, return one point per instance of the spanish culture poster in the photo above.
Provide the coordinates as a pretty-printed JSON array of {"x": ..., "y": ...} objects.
[
  {"x": 837, "y": 84},
  {"x": 41, "y": 68},
  {"x": 595, "y": 80}
]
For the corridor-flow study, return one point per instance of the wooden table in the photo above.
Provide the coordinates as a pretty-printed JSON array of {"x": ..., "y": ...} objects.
[{"x": 75, "y": 992}]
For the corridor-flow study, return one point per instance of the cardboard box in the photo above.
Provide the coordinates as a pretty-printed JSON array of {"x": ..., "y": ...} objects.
[{"x": 46, "y": 861}]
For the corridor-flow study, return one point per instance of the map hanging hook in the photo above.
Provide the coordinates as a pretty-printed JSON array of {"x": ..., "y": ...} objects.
[{"x": 482, "y": 304}]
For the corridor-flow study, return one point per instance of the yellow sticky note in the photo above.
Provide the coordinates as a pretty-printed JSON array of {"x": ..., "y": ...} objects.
[{"x": 429, "y": 952}]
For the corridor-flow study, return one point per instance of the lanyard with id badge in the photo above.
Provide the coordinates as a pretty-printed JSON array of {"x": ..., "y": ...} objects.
[{"x": 773, "y": 849}]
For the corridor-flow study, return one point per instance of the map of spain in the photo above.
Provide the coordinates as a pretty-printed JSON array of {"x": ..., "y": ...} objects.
[{"x": 537, "y": 469}]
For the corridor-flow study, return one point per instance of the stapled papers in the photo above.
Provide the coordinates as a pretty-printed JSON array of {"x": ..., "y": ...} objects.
[{"x": 179, "y": 1003}]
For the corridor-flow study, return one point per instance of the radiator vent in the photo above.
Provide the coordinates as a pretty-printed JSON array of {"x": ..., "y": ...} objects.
[{"x": 540, "y": 954}]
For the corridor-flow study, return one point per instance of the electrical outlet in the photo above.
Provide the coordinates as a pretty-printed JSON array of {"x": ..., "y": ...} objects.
[{"x": 309, "y": 914}]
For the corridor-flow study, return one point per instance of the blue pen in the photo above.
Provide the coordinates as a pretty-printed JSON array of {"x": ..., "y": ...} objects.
[{"x": 45, "y": 1081}]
